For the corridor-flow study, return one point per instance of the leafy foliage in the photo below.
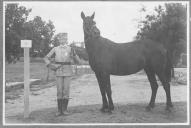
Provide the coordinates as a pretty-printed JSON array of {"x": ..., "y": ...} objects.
[
  {"x": 41, "y": 34},
  {"x": 15, "y": 17},
  {"x": 17, "y": 28},
  {"x": 167, "y": 26}
]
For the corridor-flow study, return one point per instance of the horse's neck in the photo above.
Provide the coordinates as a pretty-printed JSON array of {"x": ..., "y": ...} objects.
[
  {"x": 90, "y": 37},
  {"x": 94, "y": 33},
  {"x": 90, "y": 43}
]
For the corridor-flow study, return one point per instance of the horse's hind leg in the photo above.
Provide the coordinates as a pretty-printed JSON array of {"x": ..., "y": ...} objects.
[
  {"x": 154, "y": 87},
  {"x": 166, "y": 86},
  {"x": 103, "y": 92}
]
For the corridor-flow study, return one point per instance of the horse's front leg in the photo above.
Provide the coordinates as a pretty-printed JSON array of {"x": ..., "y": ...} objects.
[
  {"x": 103, "y": 93},
  {"x": 104, "y": 100},
  {"x": 109, "y": 92}
]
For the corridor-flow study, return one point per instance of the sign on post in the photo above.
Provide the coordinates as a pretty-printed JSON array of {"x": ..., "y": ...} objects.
[{"x": 26, "y": 44}]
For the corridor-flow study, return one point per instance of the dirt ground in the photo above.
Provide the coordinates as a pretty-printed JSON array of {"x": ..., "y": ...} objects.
[{"x": 130, "y": 94}]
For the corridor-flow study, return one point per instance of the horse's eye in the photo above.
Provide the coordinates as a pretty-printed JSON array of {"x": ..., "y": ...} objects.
[{"x": 86, "y": 23}]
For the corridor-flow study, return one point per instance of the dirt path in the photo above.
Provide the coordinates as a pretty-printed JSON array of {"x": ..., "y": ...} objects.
[{"x": 130, "y": 95}]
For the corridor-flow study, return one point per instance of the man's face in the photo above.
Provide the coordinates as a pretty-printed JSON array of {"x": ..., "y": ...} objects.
[{"x": 63, "y": 41}]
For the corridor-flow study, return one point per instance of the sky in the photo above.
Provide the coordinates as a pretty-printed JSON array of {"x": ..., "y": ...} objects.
[{"x": 116, "y": 21}]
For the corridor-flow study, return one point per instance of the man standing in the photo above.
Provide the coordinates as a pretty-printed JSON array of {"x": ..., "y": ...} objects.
[{"x": 64, "y": 56}]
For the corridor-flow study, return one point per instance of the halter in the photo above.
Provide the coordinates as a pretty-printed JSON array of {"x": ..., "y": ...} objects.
[{"x": 92, "y": 33}]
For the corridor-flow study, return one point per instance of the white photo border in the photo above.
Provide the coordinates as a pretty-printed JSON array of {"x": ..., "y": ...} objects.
[{"x": 103, "y": 124}]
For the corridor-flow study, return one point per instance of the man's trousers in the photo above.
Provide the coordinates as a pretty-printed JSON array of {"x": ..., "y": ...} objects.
[{"x": 63, "y": 87}]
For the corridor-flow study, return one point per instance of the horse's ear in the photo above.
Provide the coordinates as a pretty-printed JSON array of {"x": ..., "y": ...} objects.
[
  {"x": 93, "y": 15},
  {"x": 82, "y": 15}
]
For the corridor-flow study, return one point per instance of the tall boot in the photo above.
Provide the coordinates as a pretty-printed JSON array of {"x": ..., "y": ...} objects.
[
  {"x": 59, "y": 104},
  {"x": 65, "y": 106}
]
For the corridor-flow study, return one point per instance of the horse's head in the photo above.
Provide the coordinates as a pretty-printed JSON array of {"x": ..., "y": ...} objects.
[{"x": 89, "y": 25}]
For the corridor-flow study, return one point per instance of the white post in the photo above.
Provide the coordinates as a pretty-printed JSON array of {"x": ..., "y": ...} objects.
[
  {"x": 26, "y": 82},
  {"x": 26, "y": 44}
]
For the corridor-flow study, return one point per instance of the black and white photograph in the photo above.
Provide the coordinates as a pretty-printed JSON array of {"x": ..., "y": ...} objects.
[{"x": 71, "y": 63}]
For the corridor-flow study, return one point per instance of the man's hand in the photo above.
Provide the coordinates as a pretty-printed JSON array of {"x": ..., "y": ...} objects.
[{"x": 53, "y": 67}]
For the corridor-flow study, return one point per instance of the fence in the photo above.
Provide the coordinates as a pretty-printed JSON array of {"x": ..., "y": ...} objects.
[{"x": 83, "y": 69}]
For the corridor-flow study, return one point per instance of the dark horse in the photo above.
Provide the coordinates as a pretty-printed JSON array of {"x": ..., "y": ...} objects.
[{"x": 109, "y": 58}]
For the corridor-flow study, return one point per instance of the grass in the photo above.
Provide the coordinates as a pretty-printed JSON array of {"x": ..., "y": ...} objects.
[
  {"x": 38, "y": 70},
  {"x": 15, "y": 72}
]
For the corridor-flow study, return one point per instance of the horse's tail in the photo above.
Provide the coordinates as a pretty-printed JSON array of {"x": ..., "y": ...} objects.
[{"x": 168, "y": 67}]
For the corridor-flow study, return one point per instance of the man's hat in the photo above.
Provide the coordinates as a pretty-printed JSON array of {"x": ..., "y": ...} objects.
[{"x": 64, "y": 35}]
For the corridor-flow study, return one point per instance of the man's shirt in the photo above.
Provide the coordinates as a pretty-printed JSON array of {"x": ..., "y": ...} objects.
[{"x": 62, "y": 53}]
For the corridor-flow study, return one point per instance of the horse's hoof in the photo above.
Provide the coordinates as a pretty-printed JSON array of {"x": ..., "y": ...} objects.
[
  {"x": 111, "y": 108},
  {"x": 104, "y": 110},
  {"x": 58, "y": 114},
  {"x": 148, "y": 108},
  {"x": 169, "y": 108},
  {"x": 170, "y": 105},
  {"x": 109, "y": 112}
]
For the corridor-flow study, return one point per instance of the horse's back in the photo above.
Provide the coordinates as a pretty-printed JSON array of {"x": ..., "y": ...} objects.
[
  {"x": 140, "y": 45},
  {"x": 125, "y": 58}
]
